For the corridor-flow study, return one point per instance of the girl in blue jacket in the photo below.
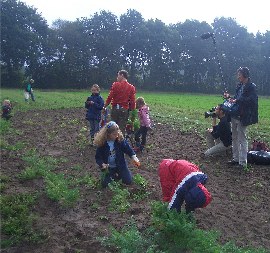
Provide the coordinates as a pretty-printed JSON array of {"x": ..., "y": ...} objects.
[
  {"x": 111, "y": 147},
  {"x": 94, "y": 105}
]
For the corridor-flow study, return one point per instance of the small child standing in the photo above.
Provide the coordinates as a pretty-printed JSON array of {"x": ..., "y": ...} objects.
[
  {"x": 6, "y": 109},
  {"x": 111, "y": 147},
  {"x": 94, "y": 105},
  {"x": 145, "y": 124},
  {"x": 28, "y": 92}
]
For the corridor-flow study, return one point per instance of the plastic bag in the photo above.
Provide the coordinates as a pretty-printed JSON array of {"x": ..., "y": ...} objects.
[{"x": 259, "y": 157}]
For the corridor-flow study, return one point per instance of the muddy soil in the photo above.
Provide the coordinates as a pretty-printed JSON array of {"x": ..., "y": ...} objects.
[{"x": 239, "y": 210}]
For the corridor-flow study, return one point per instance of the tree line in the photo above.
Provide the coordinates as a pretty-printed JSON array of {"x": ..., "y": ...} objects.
[{"x": 76, "y": 54}]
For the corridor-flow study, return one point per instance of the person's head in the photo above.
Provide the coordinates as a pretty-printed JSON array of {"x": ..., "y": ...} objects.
[
  {"x": 122, "y": 75},
  {"x": 95, "y": 89},
  {"x": 6, "y": 102},
  {"x": 140, "y": 102},
  {"x": 220, "y": 112},
  {"x": 110, "y": 132},
  {"x": 32, "y": 81},
  {"x": 197, "y": 197},
  {"x": 243, "y": 74}
]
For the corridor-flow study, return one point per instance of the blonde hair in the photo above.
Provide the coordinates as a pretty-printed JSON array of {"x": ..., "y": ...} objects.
[
  {"x": 6, "y": 102},
  {"x": 96, "y": 86},
  {"x": 140, "y": 102},
  {"x": 102, "y": 136}
]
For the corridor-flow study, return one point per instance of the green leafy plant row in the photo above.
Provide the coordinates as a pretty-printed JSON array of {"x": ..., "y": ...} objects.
[
  {"x": 57, "y": 187},
  {"x": 170, "y": 232},
  {"x": 17, "y": 219}
]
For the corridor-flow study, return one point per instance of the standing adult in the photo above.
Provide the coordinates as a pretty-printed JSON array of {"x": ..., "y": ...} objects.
[
  {"x": 28, "y": 92},
  {"x": 122, "y": 98},
  {"x": 247, "y": 100}
]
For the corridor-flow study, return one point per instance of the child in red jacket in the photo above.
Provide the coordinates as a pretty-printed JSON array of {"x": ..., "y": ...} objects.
[{"x": 183, "y": 181}]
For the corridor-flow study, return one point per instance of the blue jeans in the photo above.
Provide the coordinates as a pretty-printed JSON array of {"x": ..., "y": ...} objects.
[
  {"x": 94, "y": 127},
  {"x": 117, "y": 174}
]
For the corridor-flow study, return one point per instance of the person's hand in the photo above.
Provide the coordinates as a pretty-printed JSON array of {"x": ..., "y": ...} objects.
[
  {"x": 104, "y": 166},
  {"x": 136, "y": 161},
  {"x": 232, "y": 100},
  {"x": 103, "y": 110},
  {"x": 210, "y": 130}
]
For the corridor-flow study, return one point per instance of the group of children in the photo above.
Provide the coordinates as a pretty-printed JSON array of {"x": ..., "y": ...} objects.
[{"x": 181, "y": 181}]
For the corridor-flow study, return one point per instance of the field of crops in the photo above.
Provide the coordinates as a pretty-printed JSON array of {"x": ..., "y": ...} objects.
[{"x": 51, "y": 200}]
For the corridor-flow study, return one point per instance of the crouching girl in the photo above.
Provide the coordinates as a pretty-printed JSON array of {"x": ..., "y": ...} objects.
[
  {"x": 111, "y": 147},
  {"x": 183, "y": 181}
]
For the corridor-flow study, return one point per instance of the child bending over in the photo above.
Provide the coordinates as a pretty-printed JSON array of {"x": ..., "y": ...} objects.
[
  {"x": 145, "y": 124},
  {"x": 111, "y": 147},
  {"x": 183, "y": 181}
]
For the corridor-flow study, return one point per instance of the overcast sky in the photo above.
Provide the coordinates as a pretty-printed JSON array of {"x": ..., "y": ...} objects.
[{"x": 254, "y": 15}]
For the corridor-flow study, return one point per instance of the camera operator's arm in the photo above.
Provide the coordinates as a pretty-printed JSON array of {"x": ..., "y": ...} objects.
[
  {"x": 216, "y": 132},
  {"x": 214, "y": 122}
]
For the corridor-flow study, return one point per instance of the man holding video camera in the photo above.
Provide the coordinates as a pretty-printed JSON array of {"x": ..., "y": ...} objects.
[
  {"x": 219, "y": 137},
  {"x": 247, "y": 114}
]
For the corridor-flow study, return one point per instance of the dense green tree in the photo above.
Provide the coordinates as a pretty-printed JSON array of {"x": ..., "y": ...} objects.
[
  {"x": 22, "y": 33},
  {"x": 158, "y": 56}
]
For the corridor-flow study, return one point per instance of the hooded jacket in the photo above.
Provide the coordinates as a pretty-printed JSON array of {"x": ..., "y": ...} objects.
[{"x": 179, "y": 180}]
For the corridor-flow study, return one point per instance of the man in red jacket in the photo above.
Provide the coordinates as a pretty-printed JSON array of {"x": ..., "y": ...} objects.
[
  {"x": 183, "y": 181},
  {"x": 122, "y": 98}
]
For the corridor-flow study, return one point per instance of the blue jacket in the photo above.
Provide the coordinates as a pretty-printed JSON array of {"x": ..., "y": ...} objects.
[
  {"x": 121, "y": 148},
  {"x": 248, "y": 103},
  {"x": 94, "y": 110}
]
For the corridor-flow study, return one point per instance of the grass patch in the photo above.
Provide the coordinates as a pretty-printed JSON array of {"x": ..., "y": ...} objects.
[
  {"x": 3, "y": 182},
  {"x": 182, "y": 110},
  {"x": 57, "y": 187},
  {"x": 120, "y": 197},
  {"x": 17, "y": 220}
]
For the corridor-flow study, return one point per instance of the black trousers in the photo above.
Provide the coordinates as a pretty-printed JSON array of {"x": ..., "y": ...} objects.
[{"x": 142, "y": 132}]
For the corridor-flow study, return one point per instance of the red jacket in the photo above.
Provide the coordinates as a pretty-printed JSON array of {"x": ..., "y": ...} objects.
[
  {"x": 122, "y": 93},
  {"x": 177, "y": 177}
]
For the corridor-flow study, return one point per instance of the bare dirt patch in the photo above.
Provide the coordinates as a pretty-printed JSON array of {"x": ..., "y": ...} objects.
[{"x": 239, "y": 210}]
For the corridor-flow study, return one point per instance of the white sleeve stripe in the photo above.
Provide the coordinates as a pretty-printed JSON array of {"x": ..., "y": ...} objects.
[{"x": 181, "y": 184}]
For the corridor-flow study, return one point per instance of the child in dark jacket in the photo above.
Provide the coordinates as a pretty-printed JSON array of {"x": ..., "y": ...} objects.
[
  {"x": 6, "y": 109},
  {"x": 111, "y": 147},
  {"x": 94, "y": 105},
  {"x": 183, "y": 181}
]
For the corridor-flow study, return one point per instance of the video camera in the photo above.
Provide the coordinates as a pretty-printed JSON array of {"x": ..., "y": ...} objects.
[
  {"x": 211, "y": 113},
  {"x": 229, "y": 108}
]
